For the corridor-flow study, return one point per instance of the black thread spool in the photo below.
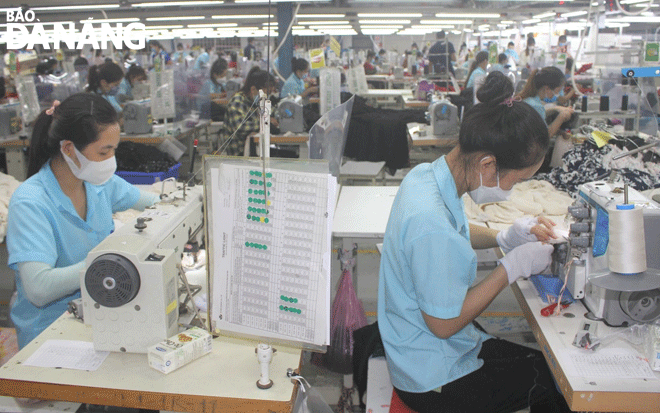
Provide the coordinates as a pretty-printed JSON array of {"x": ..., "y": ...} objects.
[
  {"x": 604, "y": 103},
  {"x": 585, "y": 101},
  {"x": 624, "y": 102}
]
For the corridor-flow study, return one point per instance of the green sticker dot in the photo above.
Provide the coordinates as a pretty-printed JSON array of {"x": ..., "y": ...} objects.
[
  {"x": 247, "y": 244},
  {"x": 266, "y": 220},
  {"x": 269, "y": 175},
  {"x": 249, "y": 191},
  {"x": 269, "y": 184},
  {"x": 281, "y": 307},
  {"x": 295, "y": 300},
  {"x": 249, "y": 216},
  {"x": 265, "y": 247}
]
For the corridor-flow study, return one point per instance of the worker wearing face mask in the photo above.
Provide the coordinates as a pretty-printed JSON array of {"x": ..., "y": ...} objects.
[
  {"x": 370, "y": 63},
  {"x": 427, "y": 299},
  {"x": 64, "y": 209},
  {"x": 295, "y": 84},
  {"x": 545, "y": 84},
  {"x": 214, "y": 87},
  {"x": 104, "y": 80},
  {"x": 134, "y": 76}
]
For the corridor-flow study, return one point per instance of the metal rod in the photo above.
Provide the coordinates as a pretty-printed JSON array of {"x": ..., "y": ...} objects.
[{"x": 634, "y": 151}]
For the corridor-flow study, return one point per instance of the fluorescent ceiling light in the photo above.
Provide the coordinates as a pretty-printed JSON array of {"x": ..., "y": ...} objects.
[
  {"x": 166, "y": 27},
  {"x": 456, "y": 32},
  {"x": 378, "y": 31},
  {"x": 435, "y": 27},
  {"x": 162, "y": 19},
  {"x": 384, "y": 21},
  {"x": 214, "y": 25},
  {"x": 508, "y": 22},
  {"x": 305, "y": 32},
  {"x": 445, "y": 21},
  {"x": 396, "y": 26},
  {"x": 81, "y": 7},
  {"x": 531, "y": 21},
  {"x": 279, "y": 1},
  {"x": 244, "y": 16},
  {"x": 634, "y": 1},
  {"x": 320, "y": 16},
  {"x": 389, "y": 15},
  {"x": 468, "y": 30},
  {"x": 341, "y": 26},
  {"x": 468, "y": 15},
  {"x": 634, "y": 19},
  {"x": 412, "y": 32},
  {"x": 177, "y": 3},
  {"x": 124, "y": 20},
  {"x": 545, "y": 15},
  {"x": 574, "y": 13},
  {"x": 616, "y": 25},
  {"x": 645, "y": 5},
  {"x": 312, "y": 23}
]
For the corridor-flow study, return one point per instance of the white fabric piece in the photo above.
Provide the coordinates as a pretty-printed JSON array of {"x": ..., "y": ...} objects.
[
  {"x": 8, "y": 185},
  {"x": 529, "y": 198}
]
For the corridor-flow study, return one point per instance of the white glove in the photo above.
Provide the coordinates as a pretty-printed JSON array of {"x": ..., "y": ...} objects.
[
  {"x": 527, "y": 259},
  {"x": 517, "y": 234}
]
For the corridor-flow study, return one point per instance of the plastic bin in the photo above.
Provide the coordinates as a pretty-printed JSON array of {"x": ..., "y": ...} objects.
[{"x": 147, "y": 178}]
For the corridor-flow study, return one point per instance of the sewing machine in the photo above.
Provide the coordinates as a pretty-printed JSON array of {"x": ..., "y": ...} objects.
[
  {"x": 290, "y": 115},
  {"x": 232, "y": 86},
  {"x": 443, "y": 116},
  {"x": 617, "y": 299},
  {"x": 129, "y": 287},
  {"x": 137, "y": 117},
  {"x": 10, "y": 120}
]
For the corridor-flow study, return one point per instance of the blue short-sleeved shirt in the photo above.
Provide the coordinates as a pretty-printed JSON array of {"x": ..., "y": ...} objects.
[
  {"x": 44, "y": 226},
  {"x": 112, "y": 99},
  {"x": 202, "y": 61},
  {"x": 512, "y": 54},
  {"x": 478, "y": 71},
  {"x": 293, "y": 86},
  {"x": 537, "y": 104},
  {"x": 125, "y": 90},
  {"x": 207, "y": 89},
  {"x": 427, "y": 265}
]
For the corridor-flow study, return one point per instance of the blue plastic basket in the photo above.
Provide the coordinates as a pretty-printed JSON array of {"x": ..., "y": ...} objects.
[{"x": 146, "y": 178}]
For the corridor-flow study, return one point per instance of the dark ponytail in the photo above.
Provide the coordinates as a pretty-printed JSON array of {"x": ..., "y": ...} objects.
[
  {"x": 549, "y": 76},
  {"x": 480, "y": 57},
  {"x": 79, "y": 118},
  {"x": 512, "y": 131},
  {"x": 108, "y": 71}
]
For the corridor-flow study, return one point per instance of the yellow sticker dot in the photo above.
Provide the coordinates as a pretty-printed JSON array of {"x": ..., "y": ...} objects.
[
  {"x": 262, "y": 219},
  {"x": 268, "y": 202}
]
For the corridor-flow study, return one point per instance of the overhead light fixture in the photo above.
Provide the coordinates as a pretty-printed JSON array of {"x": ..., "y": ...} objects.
[
  {"x": 616, "y": 25},
  {"x": 544, "y": 15},
  {"x": 177, "y": 3},
  {"x": 433, "y": 28},
  {"x": 80, "y": 7},
  {"x": 634, "y": 19},
  {"x": 313, "y": 23},
  {"x": 574, "y": 13},
  {"x": 164, "y": 19},
  {"x": 378, "y": 31},
  {"x": 243, "y": 16},
  {"x": 395, "y": 26},
  {"x": 213, "y": 25},
  {"x": 279, "y": 1},
  {"x": 468, "y": 30},
  {"x": 468, "y": 15},
  {"x": 457, "y": 32},
  {"x": 340, "y": 26},
  {"x": 445, "y": 21},
  {"x": 123, "y": 20},
  {"x": 166, "y": 27},
  {"x": 508, "y": 22},
  {"x": 646, "y": 5},
  {"x": 321, "y": 16},
  {"x": 531, "y": 21},
  {"x": 384, "y": 21},
  {"x": 390, "y": 15}
]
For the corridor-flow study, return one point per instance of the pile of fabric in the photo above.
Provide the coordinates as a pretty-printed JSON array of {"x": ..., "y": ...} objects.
[
  {"x": 527, "y": 198},
  {"x": 587, "y": 162}
]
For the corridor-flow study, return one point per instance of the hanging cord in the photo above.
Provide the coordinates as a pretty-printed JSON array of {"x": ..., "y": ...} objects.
[
  {"x": 577, "y": 53},
  {"x": 629, "y": 13}
]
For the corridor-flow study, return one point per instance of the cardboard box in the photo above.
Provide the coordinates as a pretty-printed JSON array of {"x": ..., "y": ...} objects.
[{"x": 179, "y": 350}]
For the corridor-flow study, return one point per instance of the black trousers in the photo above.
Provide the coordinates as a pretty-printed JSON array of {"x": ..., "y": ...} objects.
[{"x": 512, "y": 378}]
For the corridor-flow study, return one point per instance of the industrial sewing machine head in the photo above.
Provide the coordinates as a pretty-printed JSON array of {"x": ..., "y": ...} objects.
[
  {"x": 290, "y": 114},
  {"x": 443, "y": 116},
  {"x": 616, "y": 298},
  {"x": 137, "y": 117}
]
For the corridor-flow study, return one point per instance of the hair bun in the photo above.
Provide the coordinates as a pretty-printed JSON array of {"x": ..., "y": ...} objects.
[{"x": 496, "y": 89}]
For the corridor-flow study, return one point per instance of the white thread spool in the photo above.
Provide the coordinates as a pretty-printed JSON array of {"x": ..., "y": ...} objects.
[{"x": 626, "y": 252}]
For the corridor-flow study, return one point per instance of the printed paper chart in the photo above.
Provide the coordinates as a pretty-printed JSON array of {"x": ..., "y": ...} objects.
[{"x": 268, "y": 272}]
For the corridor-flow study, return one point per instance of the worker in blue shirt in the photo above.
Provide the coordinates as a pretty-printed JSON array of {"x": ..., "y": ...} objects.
[
  {"x": 64, "y": 209},
  {"x": 134, "y": 76},
  {"x": 546, "y": 83},
  {"x": 477, "y": 68},
  {"x": 512, "y": 54},
  {"x": 213, "y": 88},
  {"x": 202, "y": 61},
  {"x": 104, "y": 80},
  {"x": 295, "y": 84},
  {"x": 438, "y": 360}
]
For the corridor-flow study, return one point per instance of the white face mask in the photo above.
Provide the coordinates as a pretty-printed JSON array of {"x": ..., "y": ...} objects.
[
  {"x": 96, "y": 173},
  {"x": 486, "y": 194}
]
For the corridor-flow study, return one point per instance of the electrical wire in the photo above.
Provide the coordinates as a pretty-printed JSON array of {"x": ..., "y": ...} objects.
[{"x": 629, "y": 13}]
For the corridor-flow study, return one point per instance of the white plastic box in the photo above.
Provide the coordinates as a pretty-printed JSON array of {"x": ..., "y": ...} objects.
[{"x": 179, "y": 350}]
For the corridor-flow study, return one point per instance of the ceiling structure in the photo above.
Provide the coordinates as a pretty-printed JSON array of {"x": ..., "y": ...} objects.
[{"x": 229, "y": 18}]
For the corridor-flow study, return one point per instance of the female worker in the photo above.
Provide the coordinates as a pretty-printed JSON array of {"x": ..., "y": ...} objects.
[
  {"x": 213, "y": 88},
  {"x": 242, "y": 118},
  {"x": 542, "y": 84},
  {"x": 64, "y": 209},
  {"x": 478, "y": 68},
  {"x": 104, "y": 80},
  {"x": 295, "y": 84},
  {"x": 438, "y": 360},
  {"x": 134, "y": 76}
]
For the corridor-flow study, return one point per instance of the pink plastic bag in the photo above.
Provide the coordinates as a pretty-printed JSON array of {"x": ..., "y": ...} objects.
[{"x": 347, "y": 316}]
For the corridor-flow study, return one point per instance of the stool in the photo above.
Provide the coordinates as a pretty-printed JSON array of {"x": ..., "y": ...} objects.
[{"x": 398, "y": 406}]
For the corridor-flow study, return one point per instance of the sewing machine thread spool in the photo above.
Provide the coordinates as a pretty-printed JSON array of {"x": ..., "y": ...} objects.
[
  {"x": 624, "y": 102},
  {"x": 604, "y": 103},
  {"x": 585, "y": 102},
  {"x": 626, "y": 252}
]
